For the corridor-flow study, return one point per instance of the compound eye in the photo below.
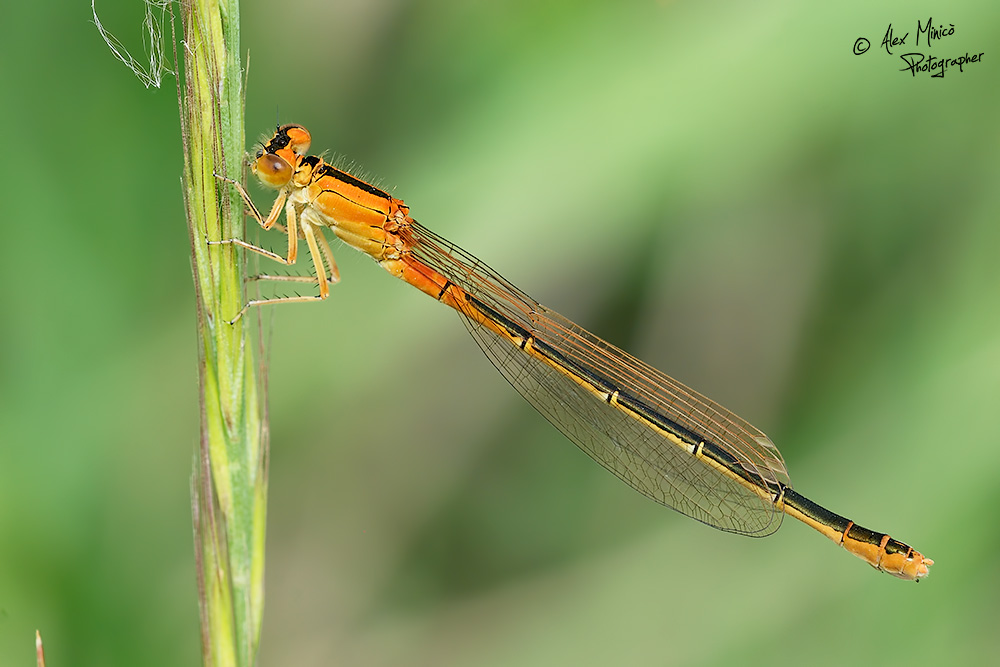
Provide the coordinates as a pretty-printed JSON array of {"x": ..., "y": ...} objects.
[
  {"x": 272, "y": 170},
  {"x": 299, "y": 138}
]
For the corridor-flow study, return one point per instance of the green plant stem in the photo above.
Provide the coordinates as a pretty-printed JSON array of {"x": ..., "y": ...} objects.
[{"x": 230, "y": 483}]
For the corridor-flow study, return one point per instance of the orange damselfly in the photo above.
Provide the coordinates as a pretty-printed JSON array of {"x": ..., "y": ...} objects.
[{"x": 668, "y": 442}]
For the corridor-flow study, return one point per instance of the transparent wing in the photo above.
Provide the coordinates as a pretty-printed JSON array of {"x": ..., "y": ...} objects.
[{"x": 570, "y": 380}]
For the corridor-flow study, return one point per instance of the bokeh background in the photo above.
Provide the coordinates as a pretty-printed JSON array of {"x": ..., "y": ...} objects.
[{"x": 724, "y": 189}]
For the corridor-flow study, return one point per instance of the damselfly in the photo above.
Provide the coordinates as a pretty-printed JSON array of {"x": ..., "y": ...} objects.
[{"x": 668, "y": 442}]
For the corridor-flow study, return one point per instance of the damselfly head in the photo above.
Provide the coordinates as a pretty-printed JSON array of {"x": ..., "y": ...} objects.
[{"x": 274, "y": 164}]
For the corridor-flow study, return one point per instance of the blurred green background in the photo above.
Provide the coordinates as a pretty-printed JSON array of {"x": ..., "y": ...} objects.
[{"x": 808, "y": 236}]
